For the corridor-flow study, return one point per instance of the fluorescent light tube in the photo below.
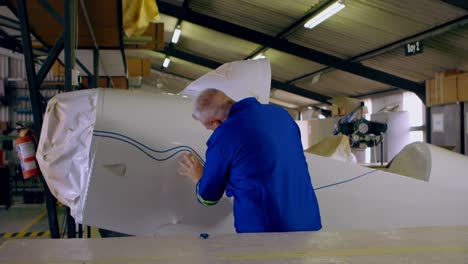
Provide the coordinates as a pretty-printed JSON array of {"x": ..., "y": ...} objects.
[
  {"x": 176, "y": 35},
  {"x": 259, "y": 56},
  {"x": 166, "y": 62},
  {"x": 325, "y": 13}
]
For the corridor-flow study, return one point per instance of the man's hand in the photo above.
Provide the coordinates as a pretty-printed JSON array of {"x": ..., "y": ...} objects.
[{"x": 190, "y": 166}]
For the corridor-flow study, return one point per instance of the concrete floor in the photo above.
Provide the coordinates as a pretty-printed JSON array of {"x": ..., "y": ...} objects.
[{"x": 29, "y": 221}]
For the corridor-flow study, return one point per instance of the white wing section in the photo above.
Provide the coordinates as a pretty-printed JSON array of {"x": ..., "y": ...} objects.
[{"x": 355, "y": 197}]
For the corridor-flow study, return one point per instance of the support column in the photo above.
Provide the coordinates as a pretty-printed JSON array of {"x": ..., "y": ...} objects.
[
  {"x": 95, "y": 82},
  {"x": 33, "y": 86},
  {"x": 70, "y": 25},
  {"x": 69, "y": 50}
]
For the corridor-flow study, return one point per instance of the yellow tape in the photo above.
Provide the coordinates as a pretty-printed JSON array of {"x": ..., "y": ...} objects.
[
  {"x": 20, "y": 234},
  {"x": 34, "y": 234},
  {"x": 25, "y": 234},
  {"x": 46, "y": 234},
  {"x": 8, "y": 235}
]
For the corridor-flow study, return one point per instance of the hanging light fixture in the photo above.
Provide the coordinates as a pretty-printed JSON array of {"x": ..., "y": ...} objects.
[
  {"x": 176, "y": 35},
  {"x": 325, "y": 13},
  {"x": 166, "y": 62},
  {"x": 259, "y": 56}
]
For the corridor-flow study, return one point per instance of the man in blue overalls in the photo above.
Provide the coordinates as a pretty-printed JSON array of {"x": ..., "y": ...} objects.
[{"x": 255, "y": 155}]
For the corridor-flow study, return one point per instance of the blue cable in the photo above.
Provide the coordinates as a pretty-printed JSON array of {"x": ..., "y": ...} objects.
[
  {"x": 337, "y": 183},
  {"x": 184, "y": 148},
  {"x": 154, "y": 150},
  {"x": 148, "y": 148},
  {"x": 189, "y": 149}
]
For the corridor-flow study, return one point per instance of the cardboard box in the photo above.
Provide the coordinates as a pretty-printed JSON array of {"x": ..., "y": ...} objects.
[
  {"x": 342, "y": 106},
  {"x": 431, "y": 95},
  {"x": 448, "y": 73},
  {"x": 442, "y": 90},
  {"x": 146, "y": 67},
  {"x": 462, "y": 86},
  {"x": 152, "y": 38},
  {"x": 119, "y": 82},
  {"x": 3, "y": 125},
  {"x": 138, "y": 67},
  {"x": 58, "y": 70}
]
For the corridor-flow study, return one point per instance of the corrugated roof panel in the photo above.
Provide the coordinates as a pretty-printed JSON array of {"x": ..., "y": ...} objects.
[
  {"x": 169, "y": 25},
  {"x": 447, "y": 51},
  {"x": 174, "y": 2},
  {"x": 212, "y": 44},
  {"x": 285, "y": 67},
  {"x": 177, "y": 66},
  {"x": 369, "y": 24},
  {"x": 5, "y": 11},
  {"x": 186, "y": 69},
  {"x": 11, "y": 32},
  {"x": 156, "y": 58},
  {"x": 269, "y": 17},
  {"x": 160, "y": 81},
  {"x": 291, "y": 98},
  {"x": 342, "y": 83}
]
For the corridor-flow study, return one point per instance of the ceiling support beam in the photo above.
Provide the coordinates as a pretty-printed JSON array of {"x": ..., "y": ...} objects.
[
  {"x": 376, "y": 93},
  {"x": 274, "y": 83},
  {"x": 291, "y": 48},
  {"x": 292, "y": 27},
  {"x": 463, "y": 4},
  {"x": 430, "y": 33},
  {"x": 8, "y": 42}
]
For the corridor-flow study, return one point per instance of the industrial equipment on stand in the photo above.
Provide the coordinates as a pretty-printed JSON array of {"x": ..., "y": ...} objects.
[{"x": 361, "y": 132}]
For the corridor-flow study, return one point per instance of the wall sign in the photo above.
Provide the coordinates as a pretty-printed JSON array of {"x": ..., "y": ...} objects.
[
  {"x": 438, "y": 123},
  {"x": 413, "y": 48}
]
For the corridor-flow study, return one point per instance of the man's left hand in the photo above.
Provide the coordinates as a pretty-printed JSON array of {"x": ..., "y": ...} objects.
[{"x": 190, "y": 166}]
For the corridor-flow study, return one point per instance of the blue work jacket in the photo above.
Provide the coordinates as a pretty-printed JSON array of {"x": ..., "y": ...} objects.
[{"x": 256, "y": 156}]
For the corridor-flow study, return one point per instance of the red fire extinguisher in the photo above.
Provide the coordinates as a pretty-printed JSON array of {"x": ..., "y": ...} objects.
[{"x": 26, "y": 148}]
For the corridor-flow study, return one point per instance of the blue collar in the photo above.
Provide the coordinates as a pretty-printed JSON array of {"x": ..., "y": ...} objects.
[{"x": 242, "y": 104}]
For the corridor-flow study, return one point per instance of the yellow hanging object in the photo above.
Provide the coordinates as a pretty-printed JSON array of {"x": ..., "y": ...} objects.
[{"x": 137, "y": 14}]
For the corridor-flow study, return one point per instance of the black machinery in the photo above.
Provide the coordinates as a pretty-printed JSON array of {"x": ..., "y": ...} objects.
[{"x": 361, "y": 132}]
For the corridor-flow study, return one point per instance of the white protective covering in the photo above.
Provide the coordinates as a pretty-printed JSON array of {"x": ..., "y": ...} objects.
[{"x": 238, "y": 79}]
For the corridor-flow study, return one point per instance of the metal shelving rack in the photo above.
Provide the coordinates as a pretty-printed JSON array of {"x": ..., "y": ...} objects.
[{"x": 65, "y": 42}]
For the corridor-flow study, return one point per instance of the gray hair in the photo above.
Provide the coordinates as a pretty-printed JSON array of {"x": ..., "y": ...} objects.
[{"x": 212, "y": 103}]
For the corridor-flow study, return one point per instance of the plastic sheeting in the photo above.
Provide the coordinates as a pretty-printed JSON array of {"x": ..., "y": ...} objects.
[
  {"x": 238, "y": 79},
  {"x": 137, "y": 14},
  {"x": 64, "y": 149}
]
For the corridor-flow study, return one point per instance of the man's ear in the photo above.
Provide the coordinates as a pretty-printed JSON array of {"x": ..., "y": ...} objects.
[{"x": 215, "y": 121}]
